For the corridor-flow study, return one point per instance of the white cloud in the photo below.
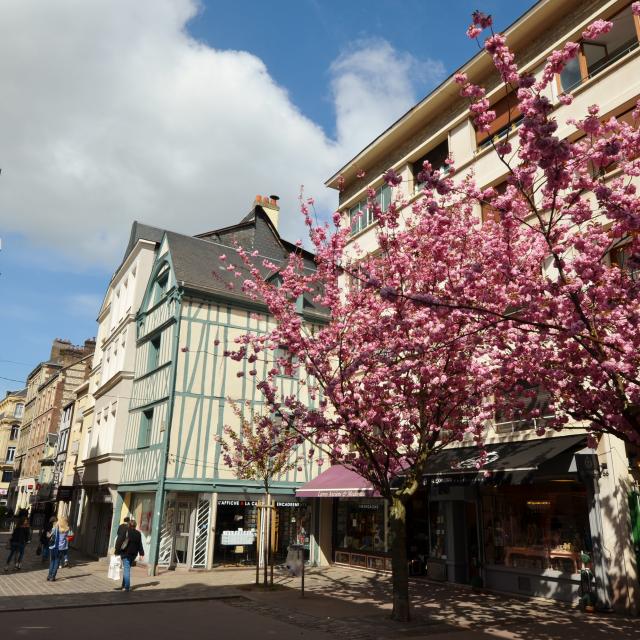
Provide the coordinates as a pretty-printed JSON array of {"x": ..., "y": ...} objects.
[
  {"x": 111, "y": 112},
  {"x": 84, "y": 304},
  {"x": 373, "y": 85}
]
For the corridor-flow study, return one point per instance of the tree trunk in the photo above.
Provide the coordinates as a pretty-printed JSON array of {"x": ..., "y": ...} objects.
[{"x": 399, "y": 568}]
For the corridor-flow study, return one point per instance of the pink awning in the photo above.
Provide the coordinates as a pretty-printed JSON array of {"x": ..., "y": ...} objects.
[{"x": 338, "y": 482}]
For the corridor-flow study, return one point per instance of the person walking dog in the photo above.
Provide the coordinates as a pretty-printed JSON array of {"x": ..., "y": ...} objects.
[
  {"x": 129, "y": 546},
  {"x": 19, "y": 538},
  {"x": 58, "y": 545}
]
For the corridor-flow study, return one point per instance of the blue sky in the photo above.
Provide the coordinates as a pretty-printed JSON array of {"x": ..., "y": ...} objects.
[{"x": 177, "y": 114}]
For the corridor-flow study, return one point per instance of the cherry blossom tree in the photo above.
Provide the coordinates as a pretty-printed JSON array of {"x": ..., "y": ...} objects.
[
  {"x": 260, "y": 449},
  {"x": 389, "y": 379},
  {"x": 425, "y": 336},
  {"x": 572, "y": 315}
]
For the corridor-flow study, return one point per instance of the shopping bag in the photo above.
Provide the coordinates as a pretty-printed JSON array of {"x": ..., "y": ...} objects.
[{"x": 115, "y": 568}]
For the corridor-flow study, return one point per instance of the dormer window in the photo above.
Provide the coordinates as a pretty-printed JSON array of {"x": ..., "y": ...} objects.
[{"x": 160, "y": 286}]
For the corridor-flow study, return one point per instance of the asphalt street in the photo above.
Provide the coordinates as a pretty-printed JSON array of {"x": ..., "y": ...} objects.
[{"x": 166, "y": 621}]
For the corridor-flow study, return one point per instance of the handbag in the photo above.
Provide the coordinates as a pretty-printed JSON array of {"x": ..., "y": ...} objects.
[{"x": 115, "y": 568}]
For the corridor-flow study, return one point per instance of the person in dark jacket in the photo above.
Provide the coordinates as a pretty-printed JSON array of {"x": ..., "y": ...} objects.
[
  {"x": 129, "y": 546},
  {"x": 19, "y": 538},
  {"x": 122, "y": 529},
  {"x": 45, "y": 533}
]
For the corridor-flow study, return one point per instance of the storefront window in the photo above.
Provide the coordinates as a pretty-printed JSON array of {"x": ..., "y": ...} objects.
[
  {"x": 437, "y": 531},
  {"x": 544, "y": 526},
  {"x": 236, "y": 515},
  {"x": 292, "y": 526},
  {"x": 142, "y": 512},
  {"x": 360, "y": 525}
]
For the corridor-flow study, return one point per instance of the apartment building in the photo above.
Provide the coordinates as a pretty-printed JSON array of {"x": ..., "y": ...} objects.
[
  {"x": 523, "y": 533},
  {"x": 192, "y": 510},
  {"x": 11, "y": 414},
  {"x": 49, "y": 387}
]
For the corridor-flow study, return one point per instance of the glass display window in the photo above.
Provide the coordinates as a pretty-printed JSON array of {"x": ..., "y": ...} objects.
[
  {"x": 537, "y": 527},
  {"x": 437, "y": 531},
  {"x": 361, "y": 525}
]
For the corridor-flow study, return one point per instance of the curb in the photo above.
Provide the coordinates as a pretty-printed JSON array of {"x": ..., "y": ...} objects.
[{"x": 122, "y": 604}]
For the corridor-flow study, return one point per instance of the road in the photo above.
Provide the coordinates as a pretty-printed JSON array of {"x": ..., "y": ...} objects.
[{"x": 166, "y": 621}]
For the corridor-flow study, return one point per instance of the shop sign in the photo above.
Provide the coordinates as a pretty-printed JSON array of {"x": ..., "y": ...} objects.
[
  {"x": 3, "y": 492},
  {"x": 102, "y": 495},
  {"x": 343, "y": 493},
  {"x": 288, "y": 504},
  {"x": 475, "y": 462},
  {"x": 64, "y": 494},
  {"x": 237, "y": 503},
  {"x": 369, "y": 506},
  {"x": 237, "y": 538}
]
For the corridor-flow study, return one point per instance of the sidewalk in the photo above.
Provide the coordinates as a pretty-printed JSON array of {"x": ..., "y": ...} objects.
[{"x": 340, "y": 601}]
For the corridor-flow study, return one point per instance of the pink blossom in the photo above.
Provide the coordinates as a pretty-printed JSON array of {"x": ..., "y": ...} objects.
[{"x": 596, "y": 29}]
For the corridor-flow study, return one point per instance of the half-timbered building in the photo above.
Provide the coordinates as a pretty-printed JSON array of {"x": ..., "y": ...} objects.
[{"x": 174, "y": 481}]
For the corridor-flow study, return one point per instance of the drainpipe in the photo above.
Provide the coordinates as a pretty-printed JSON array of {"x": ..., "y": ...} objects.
[{"x": 158, "y": 506}]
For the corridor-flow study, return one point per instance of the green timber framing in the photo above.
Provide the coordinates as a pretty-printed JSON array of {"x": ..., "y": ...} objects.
[{"x": 181, "y": 394}]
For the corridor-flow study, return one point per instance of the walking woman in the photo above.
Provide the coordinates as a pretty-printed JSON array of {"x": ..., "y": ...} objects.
[
  {"x": 58, "y": 545},
  {"x": 19, "y": 538}
]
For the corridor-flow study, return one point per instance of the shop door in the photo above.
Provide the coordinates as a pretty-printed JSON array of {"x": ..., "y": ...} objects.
[
  {"x": 103, "y": 530},
  {"x": 183, "y": 527},
  {"x": 473, "y": 550}
]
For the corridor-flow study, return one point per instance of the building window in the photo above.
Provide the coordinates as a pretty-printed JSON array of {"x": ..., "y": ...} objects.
[
  {"x": 362, "y": 215},
  {"x": 160, "y": 287},
  {"x": 622, "y": 257},
  {"x": 18, "y": 411},
  {"x": 11, "y": 454},
  {"x": 522, "y": 409},
  {"x": 7, "y": 476},
  {"x": 144, "y": 435},
  {"x": 285, "y": 363},
  {"x": 15, "y": 431},
  {"x": 507, "y": 119},
  {"x": 154, "y": 353},
  {"x": 437, "y": 157},
  {"x": 594, "y": 57}
]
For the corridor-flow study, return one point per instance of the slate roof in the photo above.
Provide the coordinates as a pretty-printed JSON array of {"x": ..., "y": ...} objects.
[
  {"x": 198, "y": 267},
  {"x": 140, "y": 231}
]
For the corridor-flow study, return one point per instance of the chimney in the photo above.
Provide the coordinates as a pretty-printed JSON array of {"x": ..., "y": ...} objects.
[{"x": 270, "y": 206}]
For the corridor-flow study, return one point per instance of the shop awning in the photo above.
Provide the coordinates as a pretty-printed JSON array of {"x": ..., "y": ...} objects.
[
  {"x": 338, "y": 482},
  {"x": 505, "y": 457}
]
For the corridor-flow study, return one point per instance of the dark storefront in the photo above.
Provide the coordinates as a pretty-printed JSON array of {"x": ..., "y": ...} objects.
[{"x": 519, "y": 526}]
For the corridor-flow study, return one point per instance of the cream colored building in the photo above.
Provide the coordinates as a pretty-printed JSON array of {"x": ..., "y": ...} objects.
[
  {"x": 520, "y": 538},
  {"x": 11, "y": 414},
  {"x": 110, "y": 388}
]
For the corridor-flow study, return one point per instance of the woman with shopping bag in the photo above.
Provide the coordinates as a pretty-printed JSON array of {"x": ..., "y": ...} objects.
[{"x": 129, "y": 546}]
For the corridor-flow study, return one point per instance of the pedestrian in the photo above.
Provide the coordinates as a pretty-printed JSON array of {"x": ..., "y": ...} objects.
[
  {"x": 19, "y": 538},
  {"x": 44, "y": 538},
  {"x": 129, "y": 546},
  {"x": 58, "y": 545},
  {"x": 122, "y": 529}
]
